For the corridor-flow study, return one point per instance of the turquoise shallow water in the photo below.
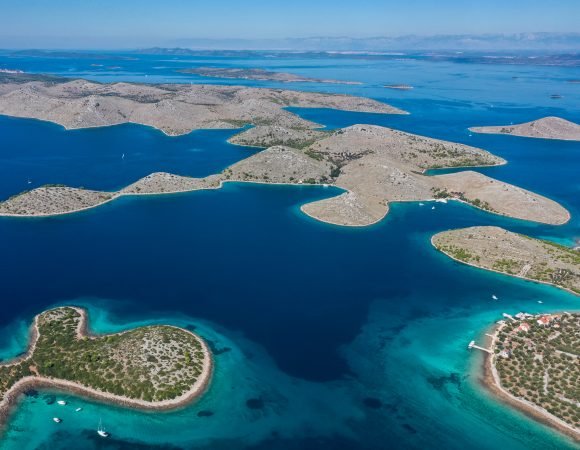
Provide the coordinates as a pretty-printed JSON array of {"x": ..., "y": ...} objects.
[{"x": 325, "y": 337}]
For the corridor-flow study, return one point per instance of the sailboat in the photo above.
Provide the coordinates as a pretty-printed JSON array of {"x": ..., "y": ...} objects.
[{"x": 101, "y": 430}]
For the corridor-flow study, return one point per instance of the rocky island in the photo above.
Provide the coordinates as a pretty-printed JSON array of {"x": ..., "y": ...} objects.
[
  {"x": 258, "y": 75},
  {"x": 533, "y": 364},
  {"x": 546, "y": 128},
  {"x": 374, "y": 165},
  {"x": 154, "y": 367},
  {"x": 514, "y": 254},
  {"x": 175, "y": 109}
]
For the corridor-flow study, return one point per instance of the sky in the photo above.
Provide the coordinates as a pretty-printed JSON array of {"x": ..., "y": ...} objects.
[{"x": 131, "y": 23}]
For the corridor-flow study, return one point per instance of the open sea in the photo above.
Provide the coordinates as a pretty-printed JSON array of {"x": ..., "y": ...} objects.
[{"x": 324, "y": 337}]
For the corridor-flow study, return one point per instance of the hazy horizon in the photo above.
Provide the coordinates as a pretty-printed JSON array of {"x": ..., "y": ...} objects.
[
  {"x": 539, "y": 41},
  {"x": 136, "y": 24}
]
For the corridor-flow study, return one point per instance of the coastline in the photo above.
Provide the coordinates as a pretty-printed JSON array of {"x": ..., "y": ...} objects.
[
  {"x": 118, "y": 194},
  {"x": 502, "y": 273},
  {"x": 490, "y": 380},
  {"x": 13, "y": 395},
  {"x": 370, "y": 208}
]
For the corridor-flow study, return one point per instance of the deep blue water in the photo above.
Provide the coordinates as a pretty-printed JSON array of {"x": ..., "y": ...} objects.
[
  {"x": 341, "y": 338},
  {"x": 105, "y": 158}
]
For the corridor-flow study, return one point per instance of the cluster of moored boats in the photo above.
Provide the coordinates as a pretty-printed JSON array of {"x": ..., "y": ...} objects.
[{"x": 100, "y": 430}]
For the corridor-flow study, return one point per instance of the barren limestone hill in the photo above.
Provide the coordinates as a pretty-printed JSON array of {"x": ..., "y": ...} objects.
[
  {"x": 498, "y": 197},
  {"x": 52, "y": 200},
  {"x": 379, "y": 165},
  {"x": 271, "y": 135},
  {"x": 175, "y": 109},
  {"x": 375, "y": 165},
  {"x": 546, "y": 128},
  {"x": 514, "y": 254},
  {"x": 148, "y": 367}
]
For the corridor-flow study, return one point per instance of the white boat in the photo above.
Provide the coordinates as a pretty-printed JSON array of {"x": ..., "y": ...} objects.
[
  {"x": 101, "y": 430},
  {"x": 29, "y": 182},
  {"x": 494, "y": 297},
  {"x": 432, "y": 207},
  {"x": 540, "y": 301},
  {"x": 57, "y": 420},
  {"x": 78, "y": 409},
  {"x": 421, "y": 204},
  {"x": 123, "y": 157},
  {"x": 61, "y": 402}
]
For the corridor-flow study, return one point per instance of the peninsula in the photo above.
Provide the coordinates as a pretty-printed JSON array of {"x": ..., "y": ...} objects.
[
  {"x": 533, "y": 364},
  {"x": 258, "y": 75},
  {"x": 546, "y": 128},
  {"x": 373, "y": 164},
  {"x": 514, "y": 254},
  {"x": 154, "y": 367}
]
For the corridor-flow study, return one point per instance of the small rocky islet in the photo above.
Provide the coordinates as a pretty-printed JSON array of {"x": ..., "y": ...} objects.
[{"x": 545, "y": 128}]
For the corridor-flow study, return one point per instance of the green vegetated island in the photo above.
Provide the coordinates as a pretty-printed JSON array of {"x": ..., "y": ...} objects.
[
  {"x": 534, "y": 364},
  {"x": 153, "y": 367},
  {"x": 235, "y": 73},
  {"x": 374, "y": 165},
  {"x": 545, "y": 128},
  {"x": 514, "y": 254}
]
